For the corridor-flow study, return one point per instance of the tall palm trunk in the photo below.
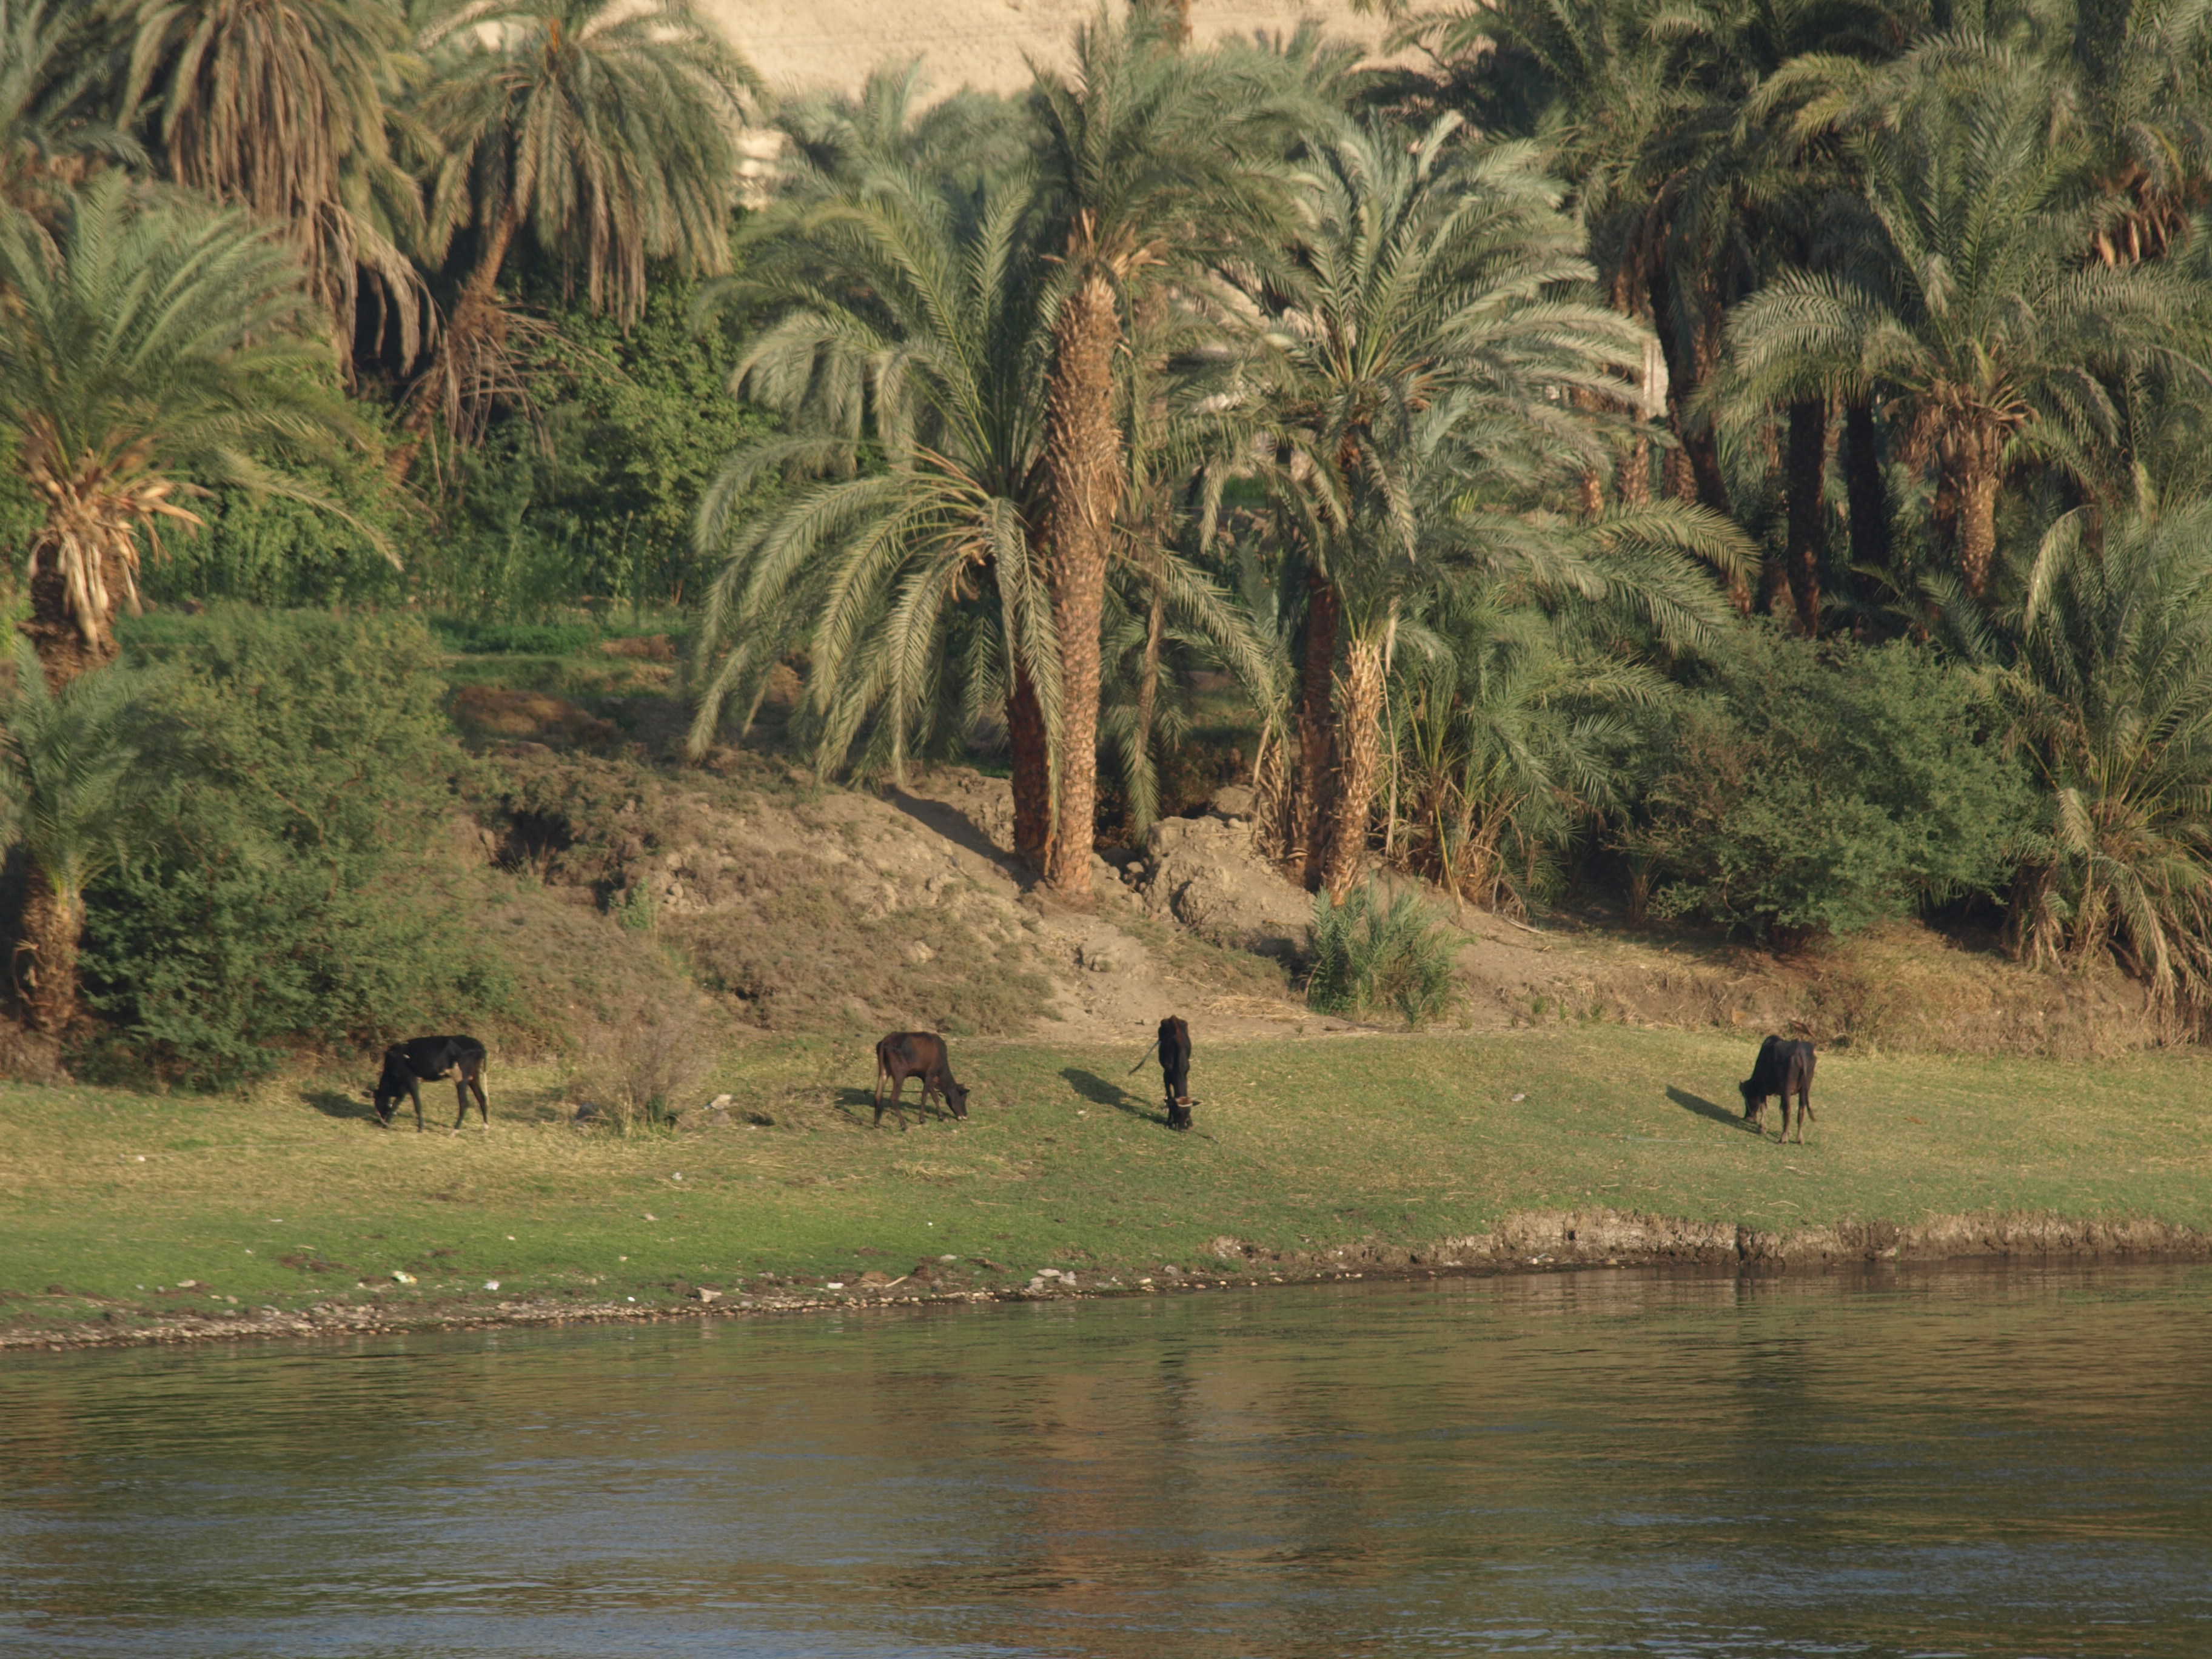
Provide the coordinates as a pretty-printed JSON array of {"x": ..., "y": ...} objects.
[
  {"x": 52, "y": 927},
  {"x": 1031, "y": 745},
  {"x": 1806, "y": 460},
  {"x": 1148, "y": 689},
  {"x": 1862, "y": 486},
  {"x": 477, "y": 327},
  {"x": 1361, "y": 747},
  {"x": 1084, "y": 470},
  {"x": 1316, "y": 758},
  {"x": 1975, "y": 475}
]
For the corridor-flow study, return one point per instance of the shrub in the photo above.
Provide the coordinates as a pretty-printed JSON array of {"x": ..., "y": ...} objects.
[
  {"x": 1369, "y": 956},
  {"x": 1810, "y": 789},
  {"x": 298, "y": 892},
  {"x": 527, "y": 639}
]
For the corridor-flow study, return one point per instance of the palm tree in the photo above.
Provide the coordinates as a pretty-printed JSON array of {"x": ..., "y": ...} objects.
[
  {"x": 1421, "y": 388},
  {"x": 1965, "y": 309},
  {"x": 74, "y": 788},
  {"x": 604, "y": 128},
  {"x": 54, "y": 64},
  {"x": 904, "y": 316},
  {"x": 147, "y": 349},
  {"x": 283, "y": 107},
  {"x": 2111, "y": 697},
  {"x": 1157, "y": 166}
]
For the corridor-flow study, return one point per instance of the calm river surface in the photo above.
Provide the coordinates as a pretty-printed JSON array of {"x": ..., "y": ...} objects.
[{"x": 2001, "y": 1460}]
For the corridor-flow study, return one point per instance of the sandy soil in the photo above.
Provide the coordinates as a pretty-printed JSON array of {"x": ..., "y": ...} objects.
[{"x": 980, "y": 43}]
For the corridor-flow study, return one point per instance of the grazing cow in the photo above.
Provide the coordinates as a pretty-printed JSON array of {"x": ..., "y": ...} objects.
[
  {"x": 1782, "y": 1068},
  {"x": 1175, "y": 1071},
  {"x": 903, "y": 1054},
  {"x": 408, "y": 1066}
]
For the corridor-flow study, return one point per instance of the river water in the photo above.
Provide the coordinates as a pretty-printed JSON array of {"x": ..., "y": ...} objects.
[{"x": 1999, "y": 1460}]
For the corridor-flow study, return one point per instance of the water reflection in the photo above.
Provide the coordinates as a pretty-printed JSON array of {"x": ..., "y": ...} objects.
[{"x": 1987, "y": 1462}]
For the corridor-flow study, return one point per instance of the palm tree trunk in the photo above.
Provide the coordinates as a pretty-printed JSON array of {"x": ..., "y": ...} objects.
[
  {"x": 1147, "y": 695},
  {"x": 1977, "y": 487},
  {"x": 1031, "y": 745},
  {"x": 1863, "y": 491},
  {"x": 53, "y": 631},
  {"x": 1317, "y": 763},
  {"x": 1361, "y": 747},
  {"x": 53, "y": 926},
  {"x": 1084, "y": 472},
  {"x": 1807, "y": 456},
  {"x": 474, "y": 313}
]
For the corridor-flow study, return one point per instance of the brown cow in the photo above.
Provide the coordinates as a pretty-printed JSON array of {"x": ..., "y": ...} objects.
[{"x": 903, "y": 1054}]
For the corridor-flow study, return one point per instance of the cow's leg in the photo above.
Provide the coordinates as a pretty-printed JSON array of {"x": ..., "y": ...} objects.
[
  {"x": 484, "y": 1105},
  {"x": 880, "y": 1070},
  {"x": 415, "y": 1093},
  {"x": 1804, "y": 1111}
]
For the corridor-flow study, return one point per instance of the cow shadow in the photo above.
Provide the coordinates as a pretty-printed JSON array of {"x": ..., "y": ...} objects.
[
  {"x": 332, "y": 1102},
  {"x": 859, "y": 1105},
  {"x": 1100, "y": 1092},
  {"x": 1704, "y": 1107}
]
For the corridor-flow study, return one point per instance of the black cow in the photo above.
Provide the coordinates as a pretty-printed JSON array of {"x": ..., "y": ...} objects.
[
  {"x": 1782, "y": 1068},
  {"x": 1175, "y": 1071},
  {"x": 903, "y": 1054},
  {"x": 408, "y": 1066}
]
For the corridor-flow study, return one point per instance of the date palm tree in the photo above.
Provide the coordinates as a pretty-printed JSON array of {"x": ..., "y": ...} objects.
[
  {"x": 285, "y": 108},
  {"x": 73, "y": 790},
  {"x": 151, "y": 346},
  {"x": 1158, "y": 164},
  {"x": 605, "y": 129},
  {"x": 1427, "y": 348},
  {"x": 905, "y": 316},
  {"x": 1965, "y": 309},
  {"x": 55, "y": 64}
]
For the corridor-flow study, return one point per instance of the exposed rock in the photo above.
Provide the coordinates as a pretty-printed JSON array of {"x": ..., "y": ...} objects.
[{"x": 1207, "y": 875}]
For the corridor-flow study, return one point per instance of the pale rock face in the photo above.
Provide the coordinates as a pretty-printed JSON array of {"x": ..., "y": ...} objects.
[
  {"x": 1206, "y": 873},
  {"x": 985, "y": 44}
]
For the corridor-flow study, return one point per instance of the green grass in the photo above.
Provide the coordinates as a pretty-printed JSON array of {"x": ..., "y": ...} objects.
[{"x": 291, "y": 1195}]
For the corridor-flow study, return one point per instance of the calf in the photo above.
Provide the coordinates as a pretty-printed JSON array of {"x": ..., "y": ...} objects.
[
  {"x": 1782, "y": 1068},
  {"x": 903, "y": 1054},
  {"x": 1175, "y": 1071},
  {"x": 408, "y": 1066}
]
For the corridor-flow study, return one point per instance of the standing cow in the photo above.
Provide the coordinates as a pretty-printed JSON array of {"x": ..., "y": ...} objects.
[
  {"x": 1782, "y": 1068},
  {"x": 1175, "y": 1071},
  {"x": 408, "y": 1066},
  {"x": 903, "y": 1054}
]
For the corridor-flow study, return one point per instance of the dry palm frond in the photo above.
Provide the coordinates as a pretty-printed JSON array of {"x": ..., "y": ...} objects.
[{"x": 97, "y": 503}]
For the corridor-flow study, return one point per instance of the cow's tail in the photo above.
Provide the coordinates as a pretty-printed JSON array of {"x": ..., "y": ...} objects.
[{"x": 1150, "y": 1049}]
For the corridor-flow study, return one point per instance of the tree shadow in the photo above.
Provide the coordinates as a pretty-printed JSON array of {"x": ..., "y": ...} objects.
[
  {"x": 332, "y": 1102},
  {"x": 1704, "y": 1107},
  {"x": 962, "y": 831},
  {"x": 1099, "y": 1092}
]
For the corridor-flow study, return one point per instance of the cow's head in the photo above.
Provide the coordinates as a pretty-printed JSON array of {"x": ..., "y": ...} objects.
[
  {"x": 1754, "y": 1098},
  {"x": 386, "y": 1105},
  {"x": 957, "y": 1094}
]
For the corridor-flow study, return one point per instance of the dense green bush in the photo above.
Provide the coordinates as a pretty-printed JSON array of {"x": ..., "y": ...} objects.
[
  {"x": 1369, "y": 956},
  {"x": 1819, "y": 789},
  {"x": 299, "y": 889}
]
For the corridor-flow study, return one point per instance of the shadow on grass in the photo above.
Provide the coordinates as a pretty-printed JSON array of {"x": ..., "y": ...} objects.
[
  {"x": 859, "y": 1105},
  {"x": 331, "y": 1102},
  {"x": 1704, "y": 1107},
  {"x": 1099, "y": 1092}
]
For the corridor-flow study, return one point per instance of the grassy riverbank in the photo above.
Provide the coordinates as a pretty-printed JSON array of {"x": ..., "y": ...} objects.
[{"x": 109, "y": 1201}]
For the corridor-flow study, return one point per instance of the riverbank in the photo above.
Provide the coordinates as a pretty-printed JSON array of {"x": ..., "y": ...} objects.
[{"x": 132, "y": 1217}]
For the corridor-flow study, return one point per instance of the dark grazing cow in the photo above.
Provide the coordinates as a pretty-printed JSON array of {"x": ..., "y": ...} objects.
[
  {"x": 903, "y": 1054},
  {"x": 408, "y": 1066},
  {"x": 1782, "y": 1068},
  {"x": 1175, "y": 1071}
]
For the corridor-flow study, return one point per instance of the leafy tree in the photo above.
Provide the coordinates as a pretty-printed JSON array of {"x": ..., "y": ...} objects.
[
  {"x": 1809, "y": 790},
  {"x": 293, "y": 894},
  {"x": 153, "y": 342},
  {"x": 76, "y": 798}
]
